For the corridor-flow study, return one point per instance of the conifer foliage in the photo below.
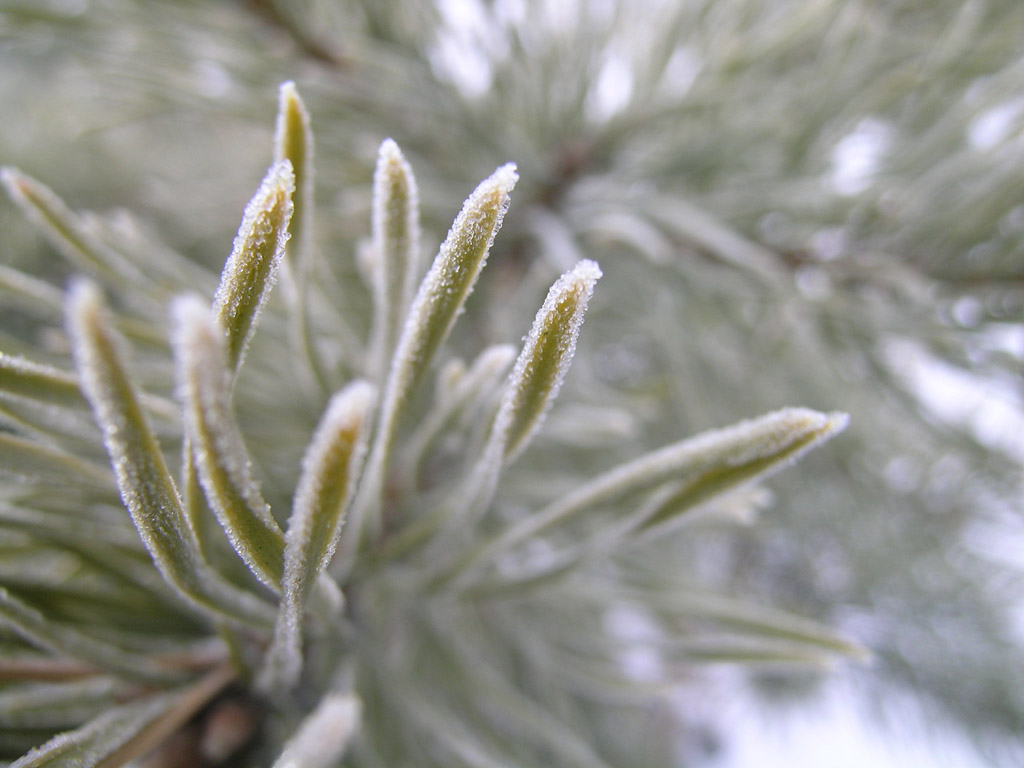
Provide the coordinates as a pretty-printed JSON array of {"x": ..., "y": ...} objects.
[{"x": 340, "y": 494}]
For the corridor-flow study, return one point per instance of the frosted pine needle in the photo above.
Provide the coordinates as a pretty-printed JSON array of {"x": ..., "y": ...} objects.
[
  {"x": 537, "y": 377},
  {"x": 251, "y": 270},
  {"x": 224, "y": 467},
  {"x": 396, "y": 234},
  {"x": 438, "y": 302},
  {"x": 329, "y": 474},
  {"x": 545, "y": 359}
]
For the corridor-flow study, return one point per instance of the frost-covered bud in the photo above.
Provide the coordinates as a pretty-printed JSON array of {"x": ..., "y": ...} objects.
[{"x": 545, "y": 358}]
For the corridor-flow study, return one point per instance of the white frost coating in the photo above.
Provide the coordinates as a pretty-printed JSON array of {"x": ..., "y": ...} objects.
[
  {"x": 786, "y": 434},
  {"x": 237, "y": 296},
  {"x": 535, "y": 380},
  {"x": 576, "y": 286},
  {"x": 85, "y": 311},
  {"x": 313, "y": 531},
  {"x": 746, "y": 441},
  {"x": 289, "y": 102},
  {"x": 324, "y": 735},
  {"x": 146, "y": 487},
  {"x": 288, "y": 97},
  {"x": 448, "y": 283},
  {"x": 348, "y": 413},
  {"x": 396, "y": 235},
  {"x": 393, "y": 170},
  {"x": 438, "y": 302},
  {"x": 444, "y": 289},
  {"x": 100, "y": 737},
  {"x": 27, "y": 378},
  {"x": 199, "y": 343},
  {"x": 287, "y": 94},
  {"x": 204, "y": 389}
]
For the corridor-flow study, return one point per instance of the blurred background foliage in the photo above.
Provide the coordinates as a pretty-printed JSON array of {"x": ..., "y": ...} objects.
[{"x": 795, "y": 202}]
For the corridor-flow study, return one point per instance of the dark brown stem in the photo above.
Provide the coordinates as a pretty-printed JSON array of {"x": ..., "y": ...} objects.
[{"x": 269, "y": 11}]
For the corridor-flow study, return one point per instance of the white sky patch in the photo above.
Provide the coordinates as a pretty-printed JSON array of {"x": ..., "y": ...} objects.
[
  {"x": 832, "y": 734},
  {"x": 1004, "y": 337},
  {"x": 993, "y": 410},
  {"x": 638, "y": 657},
  {"x": 994, "y": 126},
  {"x": 562, "y": 16},
  {"x": 463, "y": 14},
  {"x": 466, "y": 46},
  {"x": 462, "y": 64},
  {"x": 857, "y": 156},
  {"x": 612, "y": 88},
  {"x": 510, "y": 12},
  {"x": 681, "y": 72}
]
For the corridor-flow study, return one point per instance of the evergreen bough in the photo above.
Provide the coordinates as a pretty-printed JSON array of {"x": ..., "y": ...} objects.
[
  {"x": 790, "y": 201},
  {"x": 406, "y": 607}
]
